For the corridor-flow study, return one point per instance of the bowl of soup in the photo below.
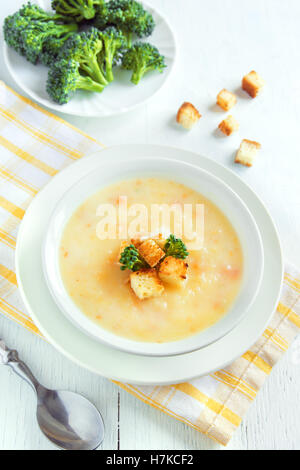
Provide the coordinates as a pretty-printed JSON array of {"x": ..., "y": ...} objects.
[{"x": 113, "y": 205}]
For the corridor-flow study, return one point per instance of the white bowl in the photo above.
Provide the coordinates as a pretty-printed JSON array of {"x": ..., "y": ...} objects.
[{"x": 208, "y": 185}]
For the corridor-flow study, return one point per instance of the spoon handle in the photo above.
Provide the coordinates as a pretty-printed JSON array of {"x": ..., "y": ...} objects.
[{"x": 10, "y": 357}]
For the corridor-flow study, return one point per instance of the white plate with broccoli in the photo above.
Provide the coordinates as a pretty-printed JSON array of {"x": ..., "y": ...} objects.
[{"x": 102, "y": 58}]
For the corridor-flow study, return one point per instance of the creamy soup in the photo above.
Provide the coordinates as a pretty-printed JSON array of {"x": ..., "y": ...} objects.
[{"x": 92, "y": 275}]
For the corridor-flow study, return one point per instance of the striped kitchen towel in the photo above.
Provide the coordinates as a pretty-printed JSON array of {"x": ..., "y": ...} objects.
[{"x": 35, "y": 145}]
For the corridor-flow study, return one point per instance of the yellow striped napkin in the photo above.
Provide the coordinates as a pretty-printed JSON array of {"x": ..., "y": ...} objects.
[{"x": 35, "y": 145}]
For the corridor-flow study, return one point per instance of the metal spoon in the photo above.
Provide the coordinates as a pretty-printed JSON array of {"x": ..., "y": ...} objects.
[{"x": 67, "y": 419}]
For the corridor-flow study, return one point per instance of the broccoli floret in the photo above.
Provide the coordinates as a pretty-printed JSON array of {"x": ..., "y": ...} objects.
[
  {"x": 31, "y": 27},
  {"x": 129, "y": 16},
  {"x": 78, "y": 9},
  {"x": 77, "y": 67},
  {"x": 12, "y": 28},
  {"x": 132, "y": 17},
  {"x": 52, "y": 48},
  {"x": 64, "y": 78},
  {"x": 37, "y": 34},
  {"x": 33, "y": 11},
  {"x": 114, "y": 44},
  {"x": 102, "y": 17},
  {"x": 131, "y": 259},
  {"x": 85, "y": 49},
  {"x": 141, "y": 58},
  {"x": 175, "y": 247}
]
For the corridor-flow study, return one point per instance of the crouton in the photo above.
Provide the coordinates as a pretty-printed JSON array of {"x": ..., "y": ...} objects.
[
  {"x": 226, "y": 100},
  {"x": 252, "y": 84},
  {"x": 146, "y": 283},
  {"x": 247, "y": 151},
  {"x": 160, "y": 240},
  {"x": 135, "y": 242},
  {"x": 187, "y": 115},
  {"x": 229, "y": 125},
  {"x": 151, "y": 252},
  {"x": 173, "y": 271}
]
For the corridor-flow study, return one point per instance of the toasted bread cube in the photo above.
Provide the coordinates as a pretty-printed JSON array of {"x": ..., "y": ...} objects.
[
  {"x": 173, "y": 271},
  {"x": 146, "y": 283},
  {"x": 252, "y": 83},
  {"x": 247, "y": 151},
  {"x": 187, "y": 115},
  {"x": 135, "y": 242},
  {"x": 226, "y": 100},
  {"x": 151, "y": 252},
  {"x": 229, "y": 125},
  {"x": 160, "y": 240}
]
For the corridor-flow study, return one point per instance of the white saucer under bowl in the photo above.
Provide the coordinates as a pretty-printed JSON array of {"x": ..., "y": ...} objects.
[{"x": 111, "y": 362}]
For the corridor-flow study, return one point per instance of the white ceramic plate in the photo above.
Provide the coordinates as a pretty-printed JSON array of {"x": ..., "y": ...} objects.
[
  {"x": 113, "y": 363},
  {"x": 192, "y": 176},
  {"x": 119, "y": 97}
]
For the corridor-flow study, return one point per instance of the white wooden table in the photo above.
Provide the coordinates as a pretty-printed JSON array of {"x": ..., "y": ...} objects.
[{"x": 219, "y": 42}]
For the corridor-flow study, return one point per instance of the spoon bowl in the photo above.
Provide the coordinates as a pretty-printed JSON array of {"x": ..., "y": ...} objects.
[{"x": 69, "y": 420}]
